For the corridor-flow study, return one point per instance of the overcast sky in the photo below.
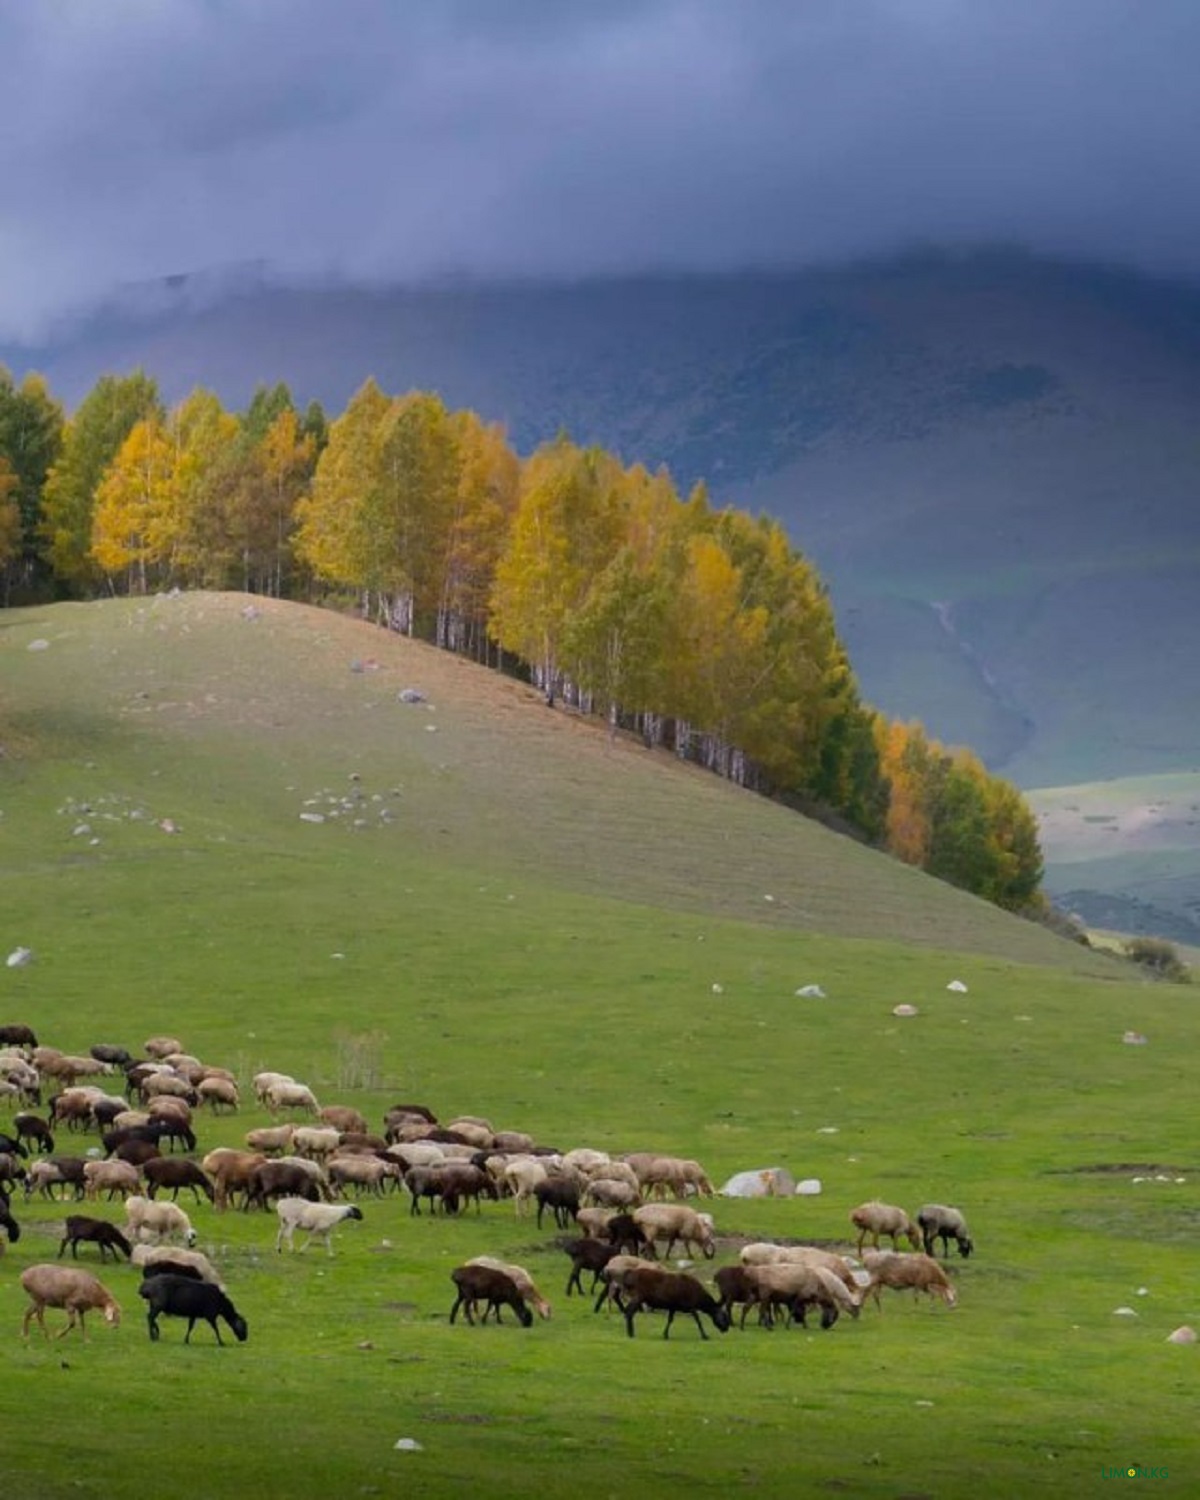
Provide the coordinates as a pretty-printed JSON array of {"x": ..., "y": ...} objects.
[{"x": 398, "y": 139}]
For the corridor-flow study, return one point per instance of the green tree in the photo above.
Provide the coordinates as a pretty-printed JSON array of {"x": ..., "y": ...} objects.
[{"x": 31, "y": 428}]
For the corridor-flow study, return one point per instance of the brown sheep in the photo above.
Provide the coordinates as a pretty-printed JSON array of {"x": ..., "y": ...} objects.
[
  {"x": 77, "y": 1292},
  {"x": 920, "y": 1272},
  {"x": 877, "y": 1218}
]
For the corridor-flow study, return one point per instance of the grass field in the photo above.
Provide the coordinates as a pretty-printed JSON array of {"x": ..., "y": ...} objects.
[{"x": 501, "y": 914}]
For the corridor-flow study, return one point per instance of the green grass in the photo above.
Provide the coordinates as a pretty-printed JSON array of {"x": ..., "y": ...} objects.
[{"x": 574, "y": 939}]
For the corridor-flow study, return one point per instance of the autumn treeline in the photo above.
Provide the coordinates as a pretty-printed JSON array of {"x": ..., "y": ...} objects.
[{"x": 703, "y": 630}]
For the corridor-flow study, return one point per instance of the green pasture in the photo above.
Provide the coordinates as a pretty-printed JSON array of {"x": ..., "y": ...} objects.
[{"x": 502, "y": 914}]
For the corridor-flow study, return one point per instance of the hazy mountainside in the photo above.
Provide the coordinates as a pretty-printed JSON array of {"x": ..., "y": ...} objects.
[{"x": 991, "y": 459}]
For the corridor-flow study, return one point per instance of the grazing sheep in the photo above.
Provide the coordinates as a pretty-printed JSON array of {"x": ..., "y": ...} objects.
[
  {"x": 218, "y": 1092},
  {"x": 595, "y": 1221},
  {"x": 232, "y": 1172},
  {"x": 11, "y": 1146},
  {"x": 33, "y": 1128},
  {"x": 78, "y": 1227},
  {"x": 675, "y": 1221},
  {"x": 177, "y": 1262},
  {"x": 612, "y": 1192},
  {"x": 877, "y": 1218},
  {"x": 587, "y": 1255},
  {"x": 764, "y": 1253},
  {"x": 520, "y": 1278},
  {"x": 145, "y": 1219},
  {"x": 609, "y": 1279},
  {"x": 114, "y": 1057},
  {"x": 11, "y": 1170},
  {"x": 271, "y": 1138},
  {"x": 315, "y": 1141},
  {"x": 14, "y": 1035},
  {"x": 626, "y": 1233},
  {"x": 176, "y": 1172},
  {"x": 51, "y": 1172},
  {"x": 522, "y": 1176},
  {"x": 363, "y": 1172},
  {"x": 940, "y": 1222},
  {"x": 461, "y": 1181},
  {"x": 670, "y": 1292},
  {"x": 291, "y": 1096},
  {"x": 161, "y": 1047},
  {"x": 262, "y": 1083},
  {"x": 485, "y": 1284},
  {"x": 8, "y": 1223},
  {"x": 920, "y": 1272},
  {"x": 798, "y": 1286},
  {"x": 319, "y": 1220},
  {"x": 561, "y": 1194},
  {"x": 289, "y": 1177},
  {"x": 343, "y": 1118},
  {"x": 181, "y": 1297},
  {"x": 736, "y": 1286},
  {"x": 424, "y": 1182},
  {"x": 77, "y": 1292},
  {"x": 111, "y": 1177}
]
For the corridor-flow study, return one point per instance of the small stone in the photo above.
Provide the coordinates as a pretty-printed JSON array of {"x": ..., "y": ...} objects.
[
  {"x": 718, "y": 989},
  {"x": 1182, "y": 1335},
  {"x": 1134, "y": 1039},
  {"x": 810, "y": 1187},
  {"x": 408, "y": 1445},
  {"x": 38, "y": 645},
  {"x": 19, "y": 958},
  {"x": 811, "y": 992},
  {"x": 957, "y": 986},
  {"x": 905, "y": 1010},
  {"x": 312, "y": 817},
  {"x": 1124, "y": 1312}
]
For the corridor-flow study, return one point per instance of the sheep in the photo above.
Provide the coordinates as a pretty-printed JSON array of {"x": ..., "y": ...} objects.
[
  {"x": 77, "y": 1292},
  {"x": 167, "y": 1083},
  {"x": 368, "y": 1172},
  {"x": 176, "y": 1261},
  {"x": 475, "y": 1133},
  {"x": 166, "y": 1107},
  {"x": 920, "y": 1272},
  {"x": 460, "y": 1180},
  {"x": 612, "y": 1193},
  {"x": 145, "y": 1219},
  {"x": 315, "y": 1141},
  {"x": 798, "y": 1286},
  {"x": 231, "y": 1171},
  {"x": 520, "y": 1278},
  {"x": 111, "y": 1177},
  {"x": 100, "y": 1232},
  {"x": 291, "y": 1096},
  {"x": 424, "y": 1182},
  {"x": 675, "y": 1221},
  {"x": 476, "y": 1283},
  {"x": 763, "y": 1253},
  {"x": 14, "y": 1035},
  {"x": 560, "y": 1194},
  {"x": 49, "y": 1172},
  {"x": 609, "y": 1279},
  {"x": 287, "y": 1178},
  {"x": 626, "y": 1233},
  {"x": 271, "y": 1138},
  {"x": 114, "y": 1057},
  {"x": 11, "y": 1170},
  {"x": 875, "y": 1218},
  {"x": 587, "y": 1255},
  {"x": 523, "y": 1176},
  {"x": 735, "y": 1284},
  {"x": 175, "y": 1173},
  {"x": 217, "y": 1092},
  {"x": 8, "y": 1223},
  {"x": 344, "y": 1118},
  {"x": 939, "y": 1222},
  {"x": 318, "y": 1219},
  {"x": 670, "y": 1292},
  {"x": 11, "y": 1146},
  {"x": 181, "y": 1297},
  {"x": 33, "y": 1128},
  {"x": 595, "y": 1221},
  {"x": 162, "y": 1046}
]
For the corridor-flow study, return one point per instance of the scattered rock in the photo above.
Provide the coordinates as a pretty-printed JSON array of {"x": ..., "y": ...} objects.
[
  {"x": 958, "y": 987},
  {"x": 168, "y": 825},
  {"x": 718, "y": 989},
  {"x": 412, "y": 695},
  {"x": 827, "y": 1130},
  {"x": 768, "y": 898},
  {"x": 761, "y": 1182},
  {"x": 809, "y": 1188},
  {"x": 1182, "y": 1335},
  {"x": 1124, "y": 1312},
  {"x": 251, "y": 612},
  {"x": 1134, "y": 1039},
  {"x": 811, "y": 992},
  {"x": 312, "y": 817},
  {"x": 905, "y": 1010},
  {"x": 408, "y": 1445},
  {"x": 38, "y": 645},
  {"x": 19, "y": 957}
]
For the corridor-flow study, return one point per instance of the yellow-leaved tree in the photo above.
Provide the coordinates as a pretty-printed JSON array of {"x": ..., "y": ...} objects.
[{"x": 132, "y": 522}]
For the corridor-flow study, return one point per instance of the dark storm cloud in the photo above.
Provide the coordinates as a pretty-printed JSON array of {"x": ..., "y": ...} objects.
[{"x": 374, "y": 140}]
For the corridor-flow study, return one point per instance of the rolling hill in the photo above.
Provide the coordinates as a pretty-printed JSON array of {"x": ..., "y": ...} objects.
[
  {"x": 222, "y": 820},
  {"x": 991, "y": 458}
]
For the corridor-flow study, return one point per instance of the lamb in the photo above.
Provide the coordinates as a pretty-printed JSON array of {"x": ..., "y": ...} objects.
[
  {"x": 675, "y": 1221},
  {"x": 877, "y": 1218},
  {"x": 670, "y": 1292},
  {"x": 169, "y": 1258},
  {"x": 939, "y": 1222},
  {"x": 318, "y": 1219},
  {"x": 486, "y": 1284},
  {"x": 145, "y": 1219},
  {"x": 175, "y": 1173},
  {"x": 78, "y": 1227},
  {"x": 77, "y": 1292},
  {"x": 111, "y": 1177},
  {"x": 520, "y": 1278},
  {"x": 920, "y": 1272},
  {"x": 181, "y": 1297}
]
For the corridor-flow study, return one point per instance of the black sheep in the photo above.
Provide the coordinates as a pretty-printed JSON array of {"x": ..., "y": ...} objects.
[
  {"x": 11, "y": 1146},
  {"x": 559, "y": 1194},
  {"x": 181, "y": 1297},
  {"x": 100, "y": 1232},
  {"x": 33, "y": 1128},
  {"x": 174, "y": 1173},
  {"x": 483, "y": 1284},
  {"x": 670, "y": 1292},
  {"x": 8, "y": 1223},
  {"x": 587, "y": 1255}
]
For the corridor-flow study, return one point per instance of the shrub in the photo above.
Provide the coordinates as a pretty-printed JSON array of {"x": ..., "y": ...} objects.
[{"x": 1159, "y": 956}]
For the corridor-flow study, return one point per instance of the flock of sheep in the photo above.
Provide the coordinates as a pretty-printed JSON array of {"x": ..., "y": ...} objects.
[{"x": 624, "y": 1210}]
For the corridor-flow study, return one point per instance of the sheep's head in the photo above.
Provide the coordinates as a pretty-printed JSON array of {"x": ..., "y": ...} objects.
[
  {"x": 240, "y": 1328},
  {"x": 965, "y": 1245},
  {"x": 190, "y": 1237},
  {"x": 721, "y": 1319},
  {"x": 355, "y": 1212},
  {"x": 112, "y": 1313}
]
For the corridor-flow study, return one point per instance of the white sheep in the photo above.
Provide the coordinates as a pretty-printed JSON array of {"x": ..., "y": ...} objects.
[
  {"x": 148, "y": 1219},
  {"x": 520, "y": 1278},
  {"x": 315, "y": 1140},
  {"x": 148, "y": 1256},
  {"x": 875, "y": 1218},
  {"x": 291, "y": 1096},
  {"x": 265, "y": 1082},
  {"x": 111, "y": 1177},
  {"x": 675, "y": 1221},
  {"x": 319, "y": 1220},
  {"x": 217, "y": 1091}
]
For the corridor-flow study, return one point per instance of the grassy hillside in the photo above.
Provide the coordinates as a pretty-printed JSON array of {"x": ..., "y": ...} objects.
[{"x": 503, "y": 915}]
